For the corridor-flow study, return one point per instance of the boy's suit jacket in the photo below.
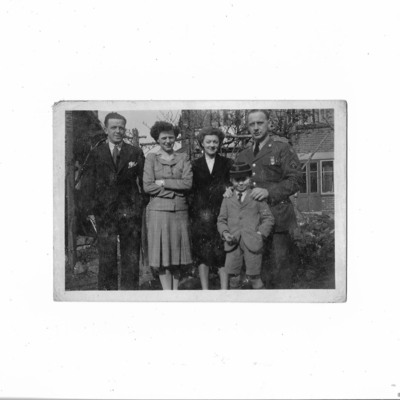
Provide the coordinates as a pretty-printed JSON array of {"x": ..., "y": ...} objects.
[
  {"x": 244, "y": 219},
  {"x": 108, "y": 189}
]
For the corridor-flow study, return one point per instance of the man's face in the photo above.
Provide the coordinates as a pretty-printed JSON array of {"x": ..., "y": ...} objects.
[
  {"x": 115, "y": 130},
  {"x": 257, "y": 124},
  {"x": 241, "y": 183}
]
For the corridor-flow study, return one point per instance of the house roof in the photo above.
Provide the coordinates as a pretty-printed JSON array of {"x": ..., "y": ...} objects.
[{"x": 323, "y": 155}]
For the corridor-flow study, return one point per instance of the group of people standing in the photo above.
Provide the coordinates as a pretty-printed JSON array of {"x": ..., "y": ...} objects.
[{"x": 212, "y": 212}]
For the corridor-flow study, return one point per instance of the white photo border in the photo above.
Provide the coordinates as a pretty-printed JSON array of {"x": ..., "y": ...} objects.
[{"x": 339, "y": 294}]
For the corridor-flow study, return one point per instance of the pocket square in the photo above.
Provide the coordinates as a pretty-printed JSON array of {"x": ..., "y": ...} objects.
[{"x": 132, "y": 164}]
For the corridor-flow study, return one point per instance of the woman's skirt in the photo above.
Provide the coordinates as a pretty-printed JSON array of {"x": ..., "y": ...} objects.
[
  {"x": 168, "y": 238},
  {"x": 209, "y": 247}
]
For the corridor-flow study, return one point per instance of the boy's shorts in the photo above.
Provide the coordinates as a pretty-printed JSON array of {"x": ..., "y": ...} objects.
[{"x": 234, "y": 260}]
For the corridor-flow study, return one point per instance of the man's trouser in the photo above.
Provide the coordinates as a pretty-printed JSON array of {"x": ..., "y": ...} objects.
[
  {"x": 128, "y": 229},
  {"x": 280, "y": 261}
]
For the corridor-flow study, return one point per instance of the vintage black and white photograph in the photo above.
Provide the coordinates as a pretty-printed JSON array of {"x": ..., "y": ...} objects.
[
  {"x": 194, "y": 200},
  {"x": 238, "y": 202}
]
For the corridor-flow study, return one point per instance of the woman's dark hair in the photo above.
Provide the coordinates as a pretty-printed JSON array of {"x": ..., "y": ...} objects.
[
  {"x": 163, "y": 126},
  {"x": 210, "y": 131}
]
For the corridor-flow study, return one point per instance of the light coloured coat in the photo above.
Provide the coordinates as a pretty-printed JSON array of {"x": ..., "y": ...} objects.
[
  {"x": 178, "y": 177},
  {"x": 249, "y": 220}
]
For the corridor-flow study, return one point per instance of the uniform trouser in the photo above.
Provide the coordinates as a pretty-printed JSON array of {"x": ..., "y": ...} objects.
[
  {"x": 128, "y": 229},
  {"x": 280, "y": 261}
]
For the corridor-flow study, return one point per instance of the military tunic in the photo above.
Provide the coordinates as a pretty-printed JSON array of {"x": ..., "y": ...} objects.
[{"x": 277, "y": 168}]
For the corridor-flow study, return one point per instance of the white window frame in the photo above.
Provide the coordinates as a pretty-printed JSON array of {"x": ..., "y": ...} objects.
[
  {"x": 317, "y": 174},
  {"x": 306, "y": 176},
  {"x": 321, "y": 177}
]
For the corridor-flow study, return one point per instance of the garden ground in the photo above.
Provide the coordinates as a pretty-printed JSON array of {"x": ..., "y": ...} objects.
[{"x": 314, "y": 240}]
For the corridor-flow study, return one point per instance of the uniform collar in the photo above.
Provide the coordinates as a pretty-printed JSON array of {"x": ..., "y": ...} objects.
[{"x": 266, "y": 141}]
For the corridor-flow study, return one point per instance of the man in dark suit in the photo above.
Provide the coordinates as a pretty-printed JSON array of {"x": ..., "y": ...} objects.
[{"x": 113, "y": 190}]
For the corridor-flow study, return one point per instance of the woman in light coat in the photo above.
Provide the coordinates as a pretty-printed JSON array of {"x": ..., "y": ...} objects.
[{"x": 167, "y": 179}]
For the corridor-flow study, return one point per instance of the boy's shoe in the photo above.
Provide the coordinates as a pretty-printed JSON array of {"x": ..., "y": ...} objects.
[
  {"x": 246, "y": 284},
  {"x": 234, "y": 282}
]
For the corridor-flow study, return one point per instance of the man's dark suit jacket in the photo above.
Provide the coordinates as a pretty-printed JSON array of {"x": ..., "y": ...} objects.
[{"x": 110, "y": 190}]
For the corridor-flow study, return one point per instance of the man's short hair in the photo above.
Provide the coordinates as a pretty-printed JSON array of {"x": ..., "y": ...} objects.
[
  {"x": 265, "y": 112},
  {"x": 113, "y": 115}
]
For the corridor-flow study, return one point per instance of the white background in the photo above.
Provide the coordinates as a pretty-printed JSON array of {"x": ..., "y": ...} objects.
[{"x": 178, "y": 50}]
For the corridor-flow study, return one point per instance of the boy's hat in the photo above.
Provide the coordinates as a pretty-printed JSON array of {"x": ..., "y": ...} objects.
[{"x": 240, "y": 169}]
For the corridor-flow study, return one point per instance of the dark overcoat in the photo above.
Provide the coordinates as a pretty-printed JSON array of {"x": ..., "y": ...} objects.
[{"x": 205, "y": 204}]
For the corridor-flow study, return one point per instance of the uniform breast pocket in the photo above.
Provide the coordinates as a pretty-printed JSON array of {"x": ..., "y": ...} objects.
[{"x": 272, "y": 171}]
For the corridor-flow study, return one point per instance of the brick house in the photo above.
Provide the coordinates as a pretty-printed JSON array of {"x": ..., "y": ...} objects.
[{"x": 315, "y": 148}]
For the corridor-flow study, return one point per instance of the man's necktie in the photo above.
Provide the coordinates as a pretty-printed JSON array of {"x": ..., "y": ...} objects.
[
  {"x": 256, "y": 149},
  {"x": 239, "y": 195},
  {"x": 115, "y": 155}
]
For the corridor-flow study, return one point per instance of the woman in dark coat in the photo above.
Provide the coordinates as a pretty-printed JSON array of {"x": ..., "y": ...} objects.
[{"x": 210, "y": 180}]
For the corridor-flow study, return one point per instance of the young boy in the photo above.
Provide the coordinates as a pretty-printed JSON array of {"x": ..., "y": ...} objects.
[{"x": 243, "y": 223}]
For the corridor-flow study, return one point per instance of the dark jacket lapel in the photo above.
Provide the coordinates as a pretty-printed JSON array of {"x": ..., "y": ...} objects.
[
  {"x": 264, "y": 150},
  {"x": 217, "y": 165},
  {"x": 106, "y": 155},
  {"x": 247, "y": 198},
  {"x": 203, "y": 165},
  {"x": 123, "y": 156}
]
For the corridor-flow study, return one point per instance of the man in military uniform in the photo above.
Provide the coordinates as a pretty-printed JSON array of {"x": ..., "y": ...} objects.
[{"x": 276, "y": 176}]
